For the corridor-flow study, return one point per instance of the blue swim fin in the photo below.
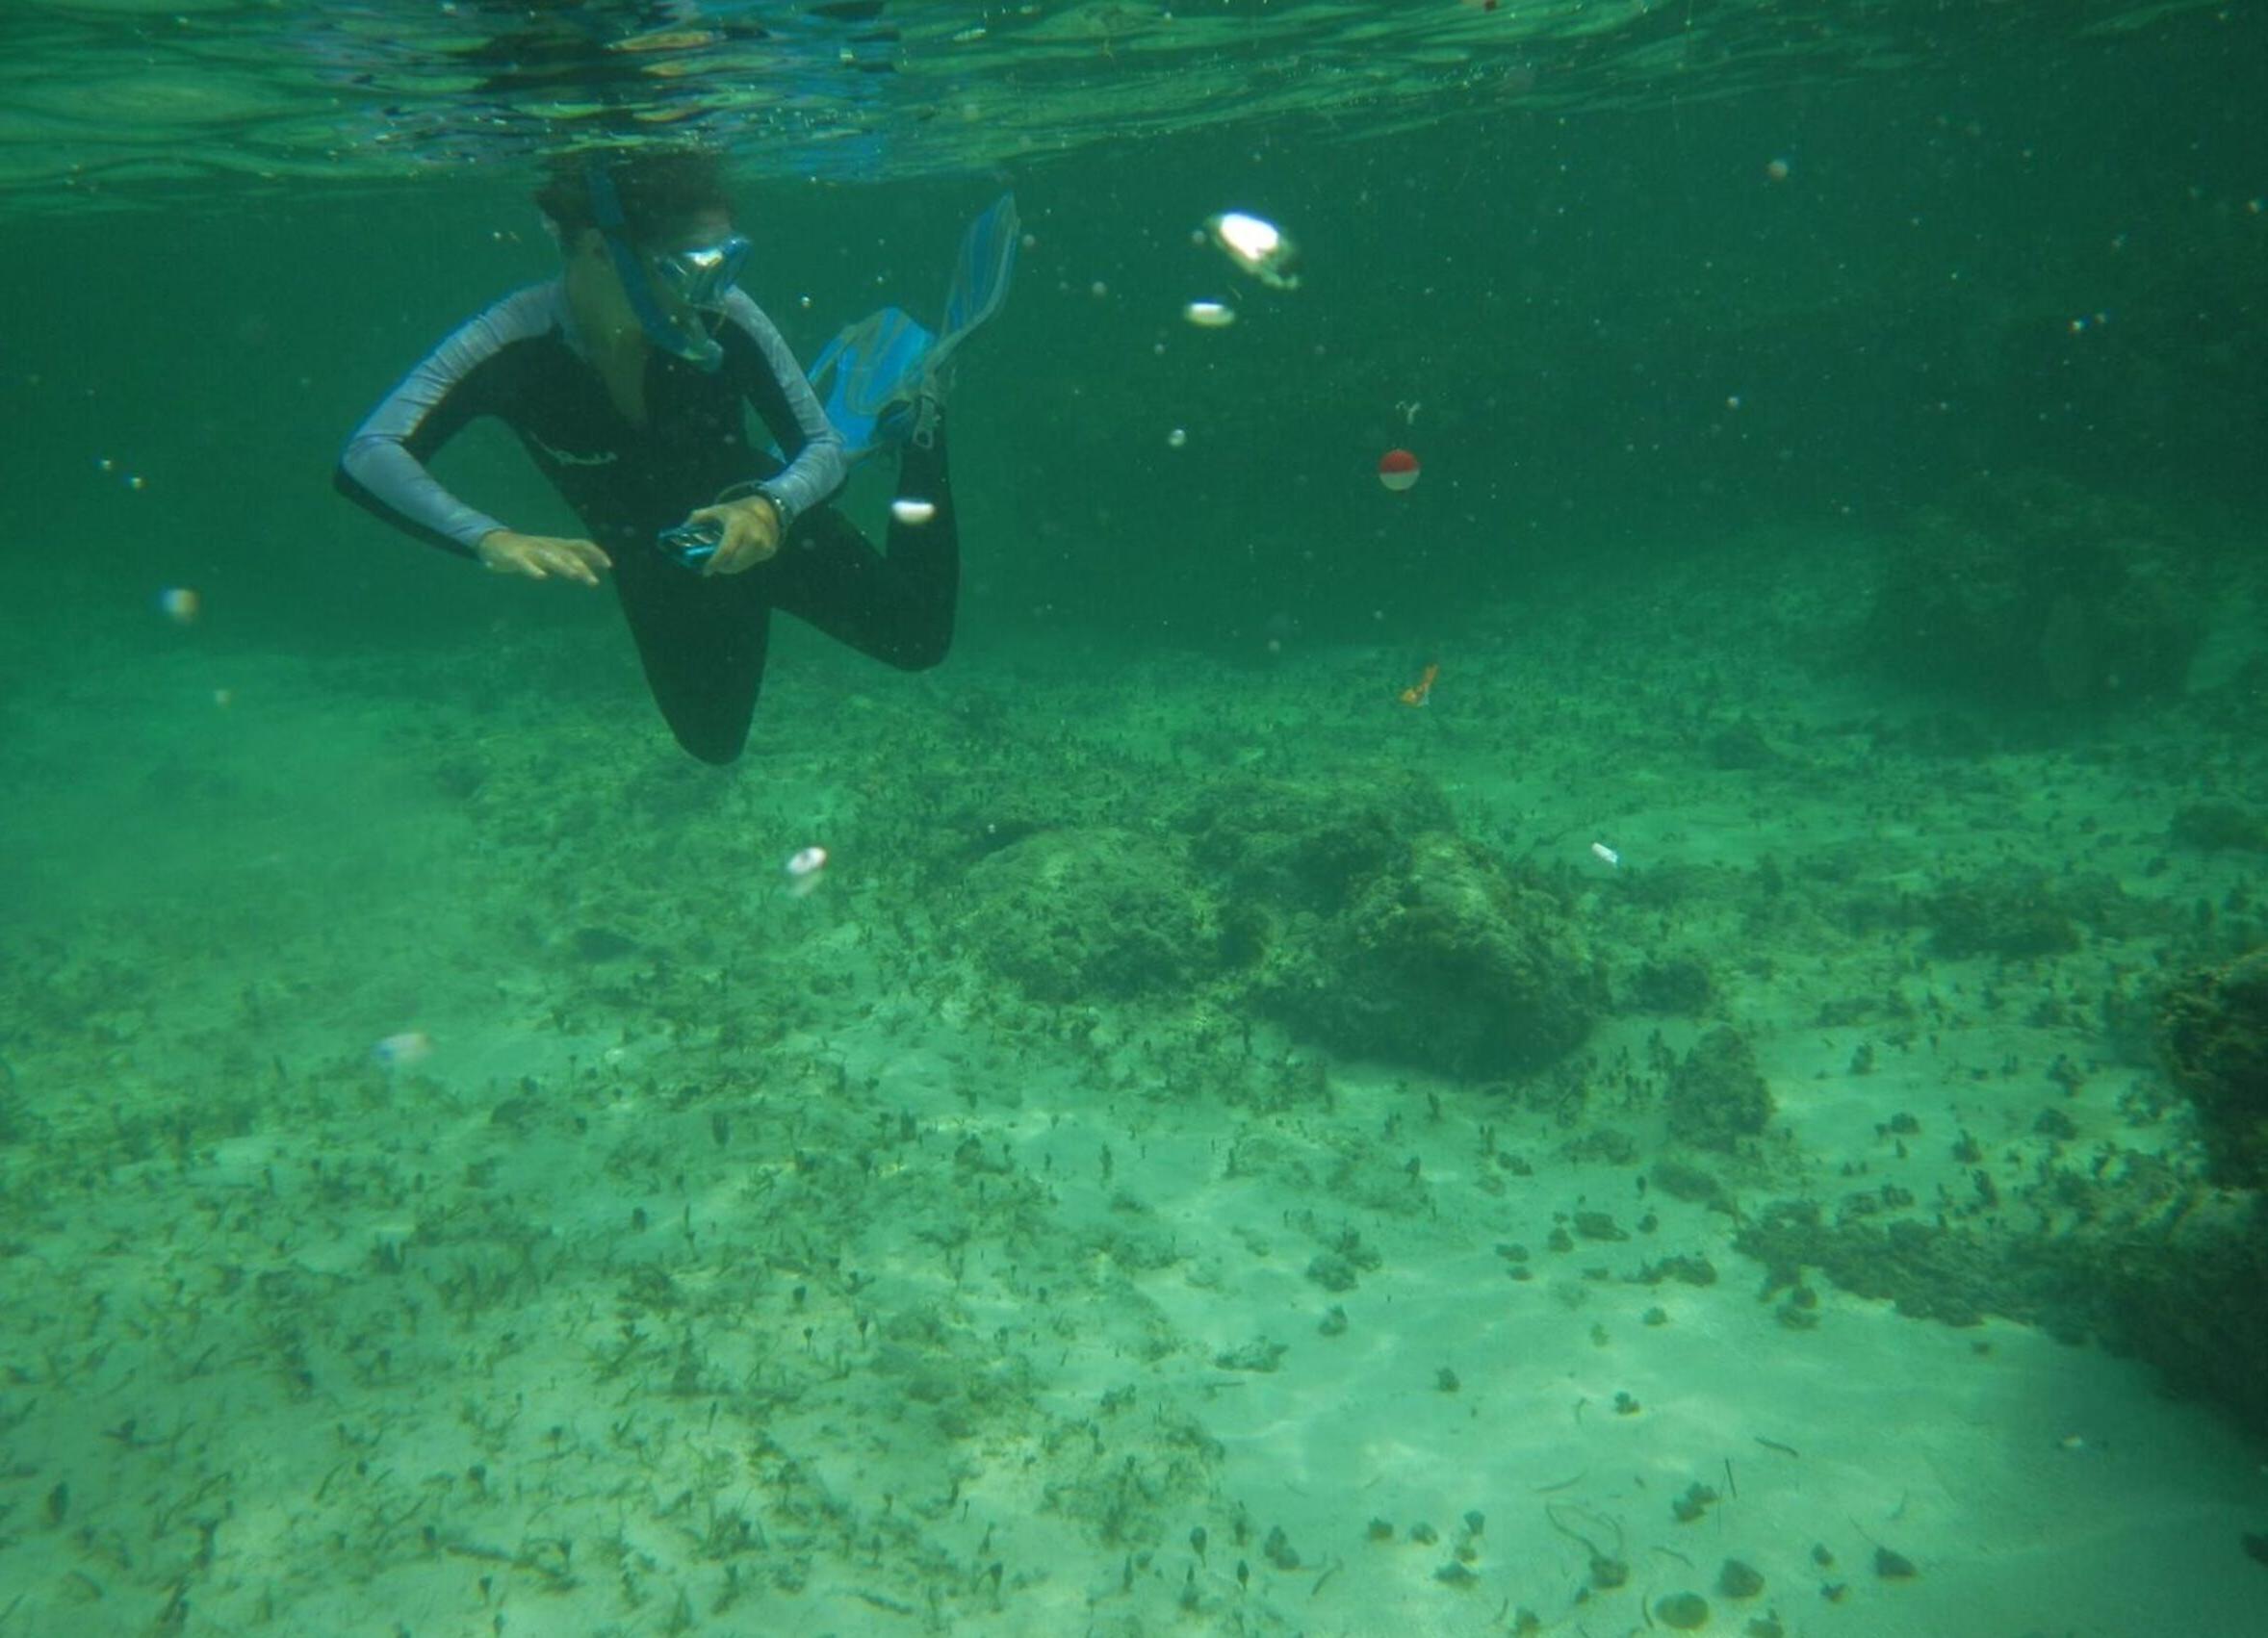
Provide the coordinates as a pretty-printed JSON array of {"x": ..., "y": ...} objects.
[
  {"x": 980, "y": 275},
  {"x": 881, "y": 378},
  {"x": 876, "y": 366}
]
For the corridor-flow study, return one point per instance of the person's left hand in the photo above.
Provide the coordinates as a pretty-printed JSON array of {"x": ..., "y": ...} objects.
[{"x": 751, "y": 533}]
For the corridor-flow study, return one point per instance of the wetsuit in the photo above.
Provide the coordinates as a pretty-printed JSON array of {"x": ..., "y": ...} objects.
[{"x": 701, "y": 639}]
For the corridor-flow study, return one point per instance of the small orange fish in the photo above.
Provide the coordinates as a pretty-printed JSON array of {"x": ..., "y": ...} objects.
[{"x": 1415, "y": 693}]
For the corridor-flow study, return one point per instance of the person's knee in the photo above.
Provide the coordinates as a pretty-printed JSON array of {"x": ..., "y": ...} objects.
[
  {"x": 717, "y": 753},
  {"x": 922, "y": 655},
  {"x": 708, "y": 740}
]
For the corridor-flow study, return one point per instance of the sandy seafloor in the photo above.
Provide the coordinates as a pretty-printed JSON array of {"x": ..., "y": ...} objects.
[{"x": 758, "y": 1264}]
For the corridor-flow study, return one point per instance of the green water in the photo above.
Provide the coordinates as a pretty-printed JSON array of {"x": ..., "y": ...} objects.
[{"x": 1220, "y": 1150}]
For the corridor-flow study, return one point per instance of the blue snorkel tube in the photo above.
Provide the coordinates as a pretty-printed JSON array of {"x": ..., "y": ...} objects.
[{"x": 696, "y": 347}]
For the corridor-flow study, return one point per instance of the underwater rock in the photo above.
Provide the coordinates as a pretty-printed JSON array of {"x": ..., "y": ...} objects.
[
  {"x": 2220, "y": 826},
  {"x": 1295, "y": 847},
  {"x": 1443, "y": 961},
  {"x": 2013, "y": 916},
  {"x": 1718, "y": 1095},
  {"x": 2214, "y": 1028},
  {"x": 600, "y": 944},
  {"x": 1739, "y": 746},
  {"x": 1676, "y": 985},
  {"x": 460, "y": 776},
  {"x": 2186, "y": 1300},
  {"x": 1340, "y": 907},
  {"x": 2032, "y": 591},
  {"x": 1087, "y": 915}
]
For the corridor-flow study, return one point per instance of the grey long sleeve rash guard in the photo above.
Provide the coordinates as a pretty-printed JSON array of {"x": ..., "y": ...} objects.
[{"x": 523, "y": 362}]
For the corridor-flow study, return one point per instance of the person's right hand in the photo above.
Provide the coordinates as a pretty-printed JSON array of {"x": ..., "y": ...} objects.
[{"x": 540, "y": 557}]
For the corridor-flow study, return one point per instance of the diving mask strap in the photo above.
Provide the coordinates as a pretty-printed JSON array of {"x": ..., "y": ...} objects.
[{"x": 699, "y": 350}]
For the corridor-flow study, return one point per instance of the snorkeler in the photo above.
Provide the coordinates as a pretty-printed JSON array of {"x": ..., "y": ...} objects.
[{"x": 627, "y": 379}]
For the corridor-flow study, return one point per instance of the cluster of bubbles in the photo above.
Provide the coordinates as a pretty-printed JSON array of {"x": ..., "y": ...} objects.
[{"x": 1263, "y": 251}]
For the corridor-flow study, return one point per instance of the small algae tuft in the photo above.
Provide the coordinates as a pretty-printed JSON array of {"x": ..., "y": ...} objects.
[
  {"x": 1684, "y": 1612},
  {"x": 1739, "y": 1580},
  {"x": 1279, "y": 1550},
  {"x": 1894, "y": 1566}
]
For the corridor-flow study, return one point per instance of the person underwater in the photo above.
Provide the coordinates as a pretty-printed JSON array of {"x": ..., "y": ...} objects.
[{"x": 629, "y": 379}]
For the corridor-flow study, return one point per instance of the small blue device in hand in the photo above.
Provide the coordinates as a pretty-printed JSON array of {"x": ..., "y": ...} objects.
[{"x": 690, "y": 546}]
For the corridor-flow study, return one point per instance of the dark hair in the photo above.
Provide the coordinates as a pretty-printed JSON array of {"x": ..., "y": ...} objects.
[{"x": 660, "y": 189}]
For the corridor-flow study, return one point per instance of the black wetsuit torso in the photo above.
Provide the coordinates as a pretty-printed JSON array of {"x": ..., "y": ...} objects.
[{"x": 702, "y": 639}]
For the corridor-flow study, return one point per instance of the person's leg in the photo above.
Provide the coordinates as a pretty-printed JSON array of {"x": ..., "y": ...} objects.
[
  {"x": 895, "y": 607},
  {"x": 702, "y": 643}
]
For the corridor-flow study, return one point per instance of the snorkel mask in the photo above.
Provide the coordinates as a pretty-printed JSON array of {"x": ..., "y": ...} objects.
[{"x": 698, "y": 279}]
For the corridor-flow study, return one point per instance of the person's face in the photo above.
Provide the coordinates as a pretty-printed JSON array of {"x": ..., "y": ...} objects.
[
  {"x": 697, "y": 232},
  {"x": 601, "y": 281},
  {"x": 701, "y": 233}
]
